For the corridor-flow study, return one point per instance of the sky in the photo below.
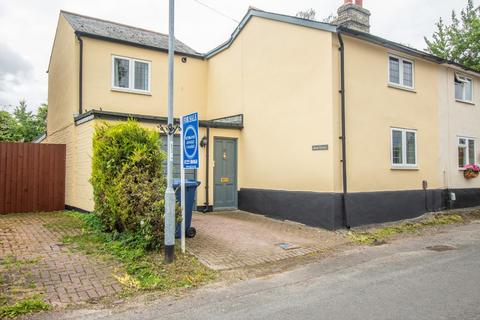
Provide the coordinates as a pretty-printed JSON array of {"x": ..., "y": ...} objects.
[{"x": 27, "y": 28}]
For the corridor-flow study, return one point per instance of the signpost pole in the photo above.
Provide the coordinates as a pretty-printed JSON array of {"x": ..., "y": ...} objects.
[
  {"x": 169, "y": 193},
  {"x": 189, "y": 160},
  {"x": 182, "y": 186}
]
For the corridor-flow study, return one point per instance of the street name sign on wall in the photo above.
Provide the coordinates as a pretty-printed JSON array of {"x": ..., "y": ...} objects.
[
  {"x": 319, "y": 147},
  {"x": 190, "y": 141}
]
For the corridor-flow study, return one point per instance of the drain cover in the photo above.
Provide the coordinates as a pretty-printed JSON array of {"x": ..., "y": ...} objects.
[
  {"x": 441, "y": 248},
  {"x": 287, "y": 246}
]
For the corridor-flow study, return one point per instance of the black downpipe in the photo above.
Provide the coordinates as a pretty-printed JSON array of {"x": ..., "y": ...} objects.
[
  {"x": 207, "y": 163},
  {"x": 80, "y": 78},
  {"x": 343, "y": 137}
]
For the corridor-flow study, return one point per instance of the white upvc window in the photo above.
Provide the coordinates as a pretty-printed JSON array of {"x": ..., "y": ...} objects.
[
  {"x": 130, "y": 74},
  {"x": 401, "y": 72},
  {"x": 463, "y": 88},
  {"x": 404, "y": 148},
  {"x": 466, "y": 152}
]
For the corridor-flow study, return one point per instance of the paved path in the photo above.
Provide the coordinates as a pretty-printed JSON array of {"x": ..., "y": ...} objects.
[
  {"x": 31, "y": 250},
  {"x": 238, "y": 239},
  {"x": 403, "y": 280}
]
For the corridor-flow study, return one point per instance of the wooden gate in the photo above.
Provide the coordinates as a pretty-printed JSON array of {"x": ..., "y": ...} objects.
[{"x": 32, "y": 177}]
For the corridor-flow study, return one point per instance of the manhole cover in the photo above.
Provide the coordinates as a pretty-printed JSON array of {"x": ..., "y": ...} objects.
[
  {"x": 441, "y": 248},
  {"x": 287, "y": 246}
]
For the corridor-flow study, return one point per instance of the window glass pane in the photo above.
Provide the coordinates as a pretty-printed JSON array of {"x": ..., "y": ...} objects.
[
  {"x": 407, "y": 74},
  {"x": 471, "y": 151},
  {"x": 411, "y": 148},
  {"x": 141, "y": 75},
  {"x": 121, "y": 73},
  {"x": 397, "y": 147},
  {"x": 459, "y": 90},
  {"x": 468, "y": 90},
  {"x": 394, "y": 70},
  {"x": 461, "y": 156}
]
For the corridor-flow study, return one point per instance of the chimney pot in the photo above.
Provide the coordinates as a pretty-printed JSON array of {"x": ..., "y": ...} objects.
[{"x": 359, "y": 3}]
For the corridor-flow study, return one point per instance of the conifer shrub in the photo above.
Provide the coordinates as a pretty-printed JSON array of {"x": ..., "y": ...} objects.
[{"x": 129, "y": 182}]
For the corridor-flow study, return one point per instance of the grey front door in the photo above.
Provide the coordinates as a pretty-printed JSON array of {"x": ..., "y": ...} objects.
[{"x": 225, "y": 173}]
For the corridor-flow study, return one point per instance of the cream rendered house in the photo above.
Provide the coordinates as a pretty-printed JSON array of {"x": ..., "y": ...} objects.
[{"x": 319, "y": 123}]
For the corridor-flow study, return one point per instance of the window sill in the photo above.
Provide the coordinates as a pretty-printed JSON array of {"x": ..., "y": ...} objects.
[
  {"x": 396, "y": 86},
  {"x": 404, "y": 168},
  {"x": 464, "y": 101},
  {"x": 145, "y": 93}
]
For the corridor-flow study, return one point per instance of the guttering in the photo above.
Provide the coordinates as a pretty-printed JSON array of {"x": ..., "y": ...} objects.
[
  {"x": 80, "y": 76},
  {"x": 403, "y": 48},
  {"x": 111, "y": 115},
  {"x": 346, "y": 221},
  {"x": 460, "y": 68},
  {"x": 138, "y": 45}
]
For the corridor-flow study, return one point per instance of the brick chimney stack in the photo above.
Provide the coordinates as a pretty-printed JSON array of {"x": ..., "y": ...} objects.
[{"x": 354, "y": 16}]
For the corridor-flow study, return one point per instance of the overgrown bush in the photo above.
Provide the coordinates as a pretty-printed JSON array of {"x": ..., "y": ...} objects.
[{"x": 128, "y": 181}]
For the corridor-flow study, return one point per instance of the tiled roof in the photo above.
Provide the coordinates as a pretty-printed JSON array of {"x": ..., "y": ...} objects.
[{"x": 124, "y": 33}]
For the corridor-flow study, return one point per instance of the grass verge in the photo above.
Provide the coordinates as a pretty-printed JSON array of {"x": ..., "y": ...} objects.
[
  {"x": 23, "y": 307},
  {"x": 377, "y": 236},
  {"x": 138, "y": 269}
]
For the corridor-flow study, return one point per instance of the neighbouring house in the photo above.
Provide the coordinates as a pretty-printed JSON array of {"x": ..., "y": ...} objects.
[{"x": 325, "y": 124}]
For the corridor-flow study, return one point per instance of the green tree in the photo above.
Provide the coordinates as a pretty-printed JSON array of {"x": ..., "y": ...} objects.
[
  {"x": 22, "y": 125},
  {"x": 8, "y": 127},
  {"x": 41, "y": 119},
  {"x": 460, "y": 41},
  {"x": 309, "y": 14}
]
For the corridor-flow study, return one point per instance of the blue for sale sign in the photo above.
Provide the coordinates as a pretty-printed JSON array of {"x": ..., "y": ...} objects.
[{"x": 190, "y": 141}]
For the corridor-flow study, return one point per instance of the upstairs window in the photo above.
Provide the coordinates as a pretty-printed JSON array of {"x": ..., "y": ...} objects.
[
  {"x": 130, "y": 74},
  {"x": 404, "y": 148},
  {"x": 400, "y": 72},
  {"x": 466, "y": 152},
  {"x": 463, "y": 88}
]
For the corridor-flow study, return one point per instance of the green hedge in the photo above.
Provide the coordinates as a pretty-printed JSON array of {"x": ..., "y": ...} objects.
[{"x": 128, "y": 181}]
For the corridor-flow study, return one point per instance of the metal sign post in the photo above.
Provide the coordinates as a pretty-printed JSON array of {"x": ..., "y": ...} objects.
[
  {"x": 182, "y": 187},
  {"x": 189, "y": 156}
]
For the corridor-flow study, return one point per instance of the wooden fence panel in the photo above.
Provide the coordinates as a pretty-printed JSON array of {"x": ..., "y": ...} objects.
[{"x": 32, "y": 177}]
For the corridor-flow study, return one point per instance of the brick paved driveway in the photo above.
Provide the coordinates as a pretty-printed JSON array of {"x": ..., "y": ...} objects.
[
  {"x": 64, "y": 277},
  {"x": 229, "y": 240}
]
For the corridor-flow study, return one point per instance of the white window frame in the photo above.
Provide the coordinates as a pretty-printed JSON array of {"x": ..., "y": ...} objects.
[
  {"x": 400, "y": 64},
  {"x": 467, "y": 151},
  {"x": 464, "y": 79},
  {"x": 404, "y": 163},
  {"x": 131, "y": 75}
]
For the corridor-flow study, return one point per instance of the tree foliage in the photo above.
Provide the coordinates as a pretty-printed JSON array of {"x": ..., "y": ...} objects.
[
  {"x": 22, "y": 125},
  {"x": 128, "y": 181},
  {"x": 460, "y": 41},
  {"x": 309, "y": 14}
]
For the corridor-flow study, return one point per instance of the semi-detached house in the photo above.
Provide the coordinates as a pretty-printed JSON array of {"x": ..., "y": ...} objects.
[{"x": 325, "y": 124}]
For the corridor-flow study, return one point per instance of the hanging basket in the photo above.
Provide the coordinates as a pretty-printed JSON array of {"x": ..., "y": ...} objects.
[{"x": 471, "y": 172}]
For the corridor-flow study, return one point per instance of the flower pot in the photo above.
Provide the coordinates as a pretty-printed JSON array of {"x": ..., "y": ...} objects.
[{"x": 470, "y": 174}]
